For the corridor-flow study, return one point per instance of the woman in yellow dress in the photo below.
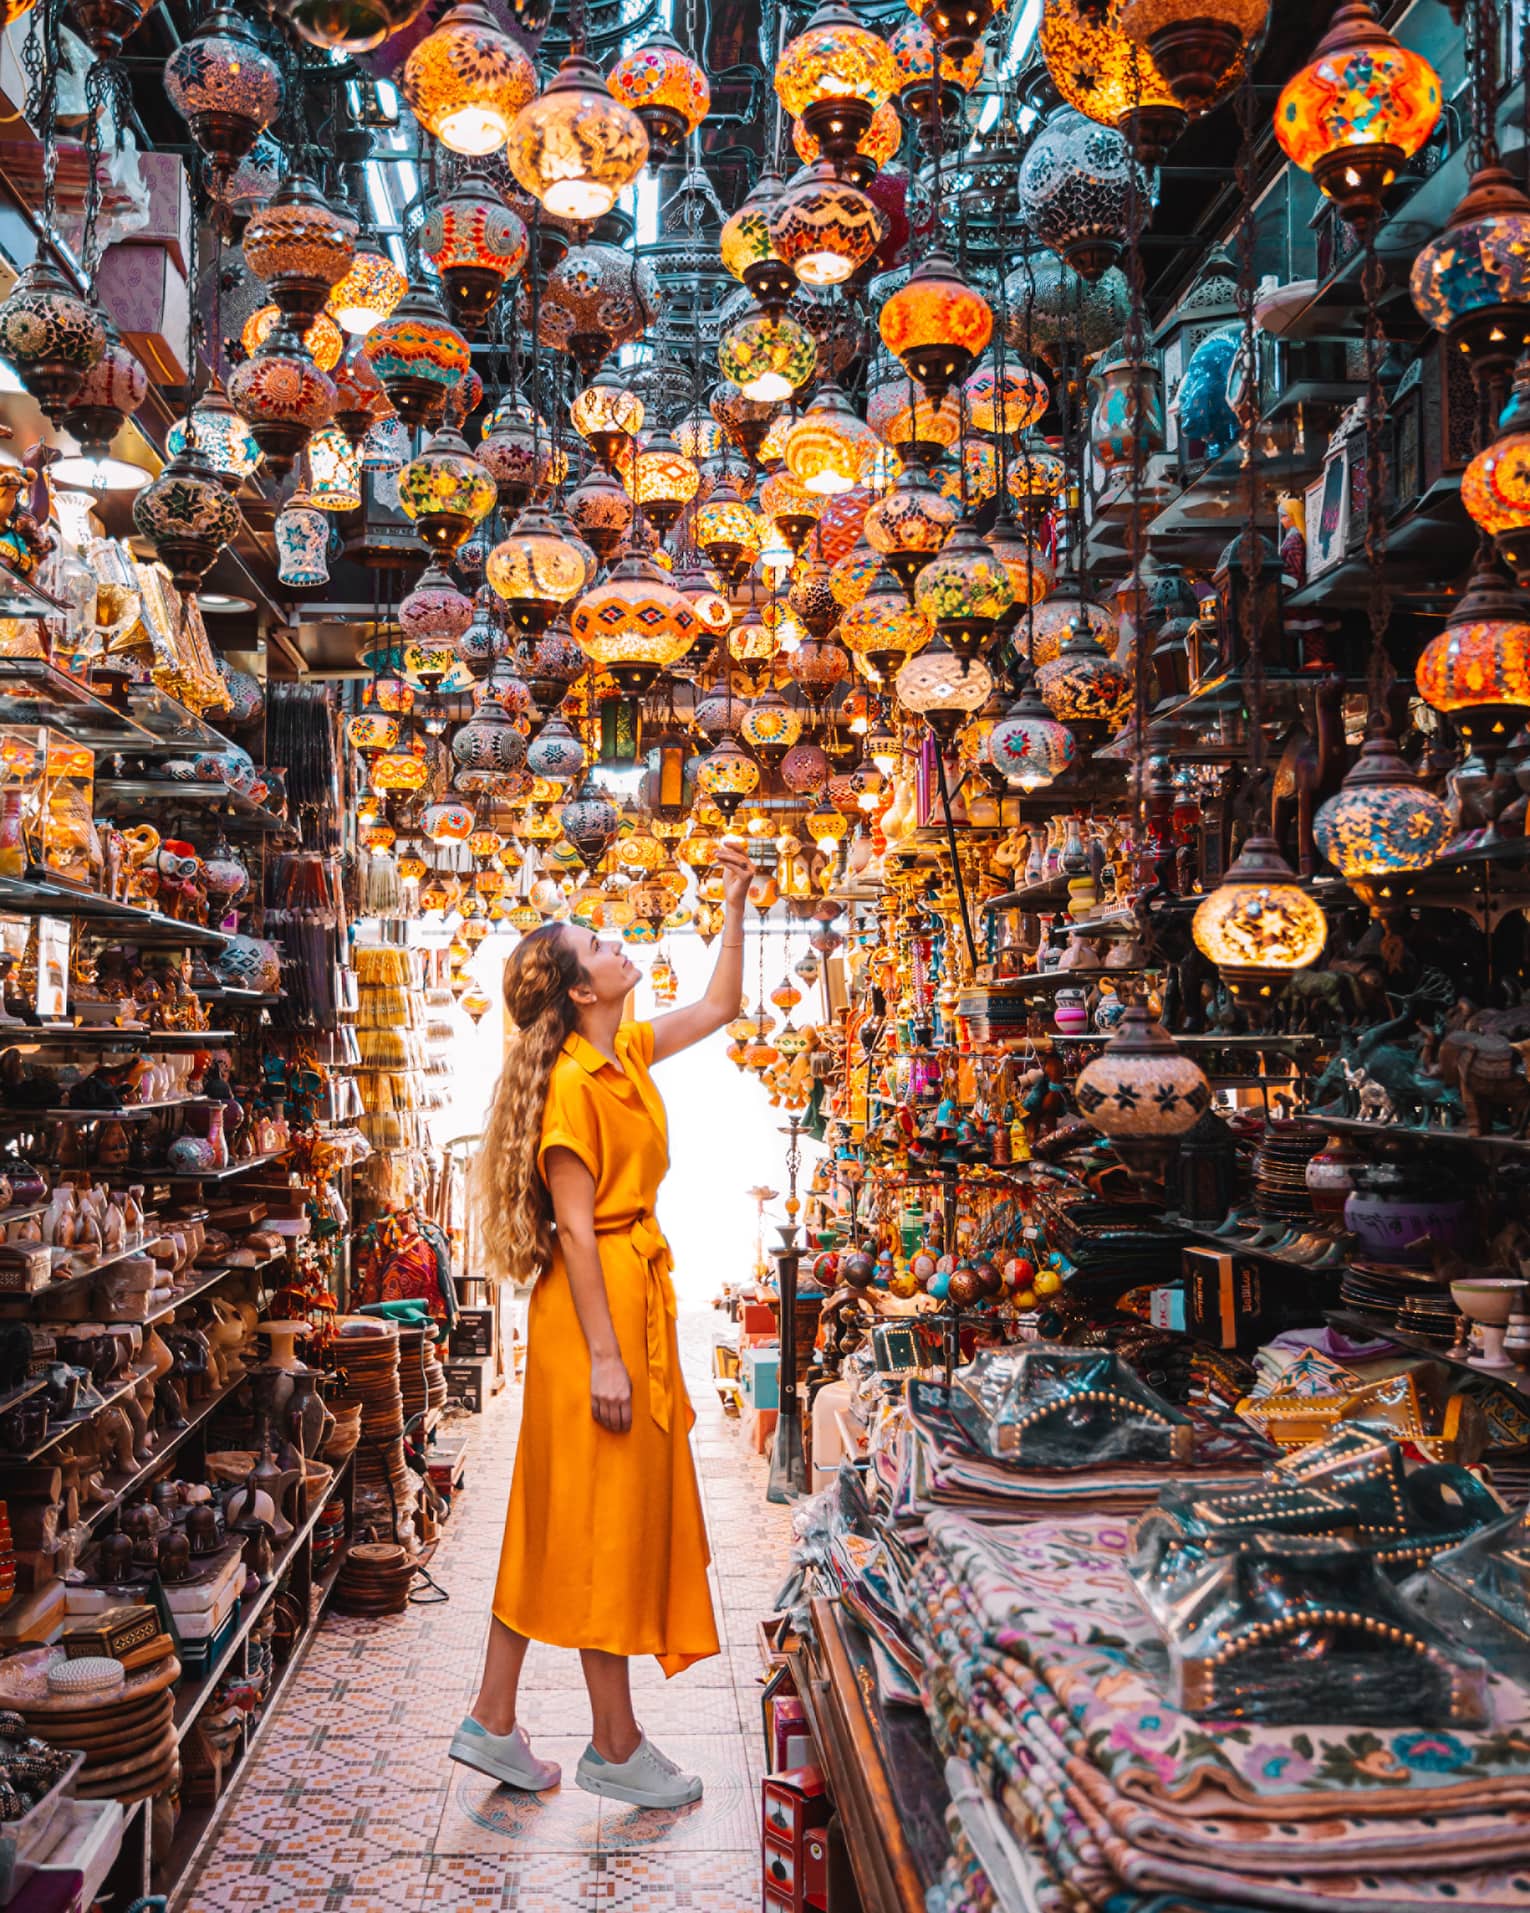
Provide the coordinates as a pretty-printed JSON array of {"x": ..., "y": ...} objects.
[{"x": 605, "y": 1546}]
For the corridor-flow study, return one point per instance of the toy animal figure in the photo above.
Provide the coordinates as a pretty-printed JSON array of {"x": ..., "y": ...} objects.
[
  {"x": 1316, "y": 1002},
  {"x": 1308, "y": 770},
  {"x": 1489, "y": 1072},
  {"x": 1374, "y": 1103}
]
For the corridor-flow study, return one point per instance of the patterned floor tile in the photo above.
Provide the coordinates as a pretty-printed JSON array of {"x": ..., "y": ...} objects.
[
  {"x": 295, "y": 1883},
  {"x": 670, "y": 1881},
  {"x": 527, "y": 1883},
  {"x": 483, "y": 1819},
  {"x": 725, "y": 1819}
]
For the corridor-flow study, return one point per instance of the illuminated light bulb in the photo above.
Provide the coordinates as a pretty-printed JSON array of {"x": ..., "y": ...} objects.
[{"x": 467, "y": 82}]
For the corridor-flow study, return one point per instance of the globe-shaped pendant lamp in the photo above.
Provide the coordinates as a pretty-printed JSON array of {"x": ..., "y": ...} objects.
[
  {"x": 824, "y": 227},
  {"x": 575, "y": 147},
  {"x": 446, "y": 491},
  {"x": 1259, "y": 926},
  {"x": 876, "y": 146},
  {"x": 598, "y": 297},
  {"x": 746, "y": 247},
  {"x": 419, "y": 356},
  {"x": 964, "y": 592},
  {"x": 226, "y": 88},
  {"x": 520, "y": 454},
  {"x": 606, "y": 414},
  {"x": 1083, "y": 686},
  {"x": 1049, "y": 305},
  {"x": 727, "y": 530},
  {"x": 188, "y": 516},
  {"x": 50, "y": 337},
  {"x": 728, "y": 774},
  {"x": 1074, "y": 190},
  {"x": 111, "y": 392},
  {"x": 371, "y": 288},
  {"x": 830, "y": 447},
  {"x": 348, "y": 26},
  {"x": 283, "y": 398},
  {"x": 1004, "y": 405},
  {"x": 767, "y": 355},
  {"x": 1495, "y": 487},
  {"x": 1030, "y": 571},
  {"x": 770, "y": 726},
  {"x": 666, "y": 89},
  {"x": 833, "y": 76},
  {"x": 477, "y": 245},
  {"x": 590, "y": 822},
  {"x": 1198, "y": 46},
  {"x": 322, "y": 338},
  {"x": 1143, "y": 1093},
  {"x": 635, "y": 625},
  {"x": 301, "y": 246},
  {"x": 956, "y": 24},
  {"x": 360, "y": 401},
  {"x": 913, "y": 50},
  {"x": 662, "y": 480},
  {"x": 601, "y": 511},
  {"x": 535, "y": 570},
  {"x": 1473, "y": 282},
  {"x": 1382, "y": 820},
  {"x": 334, "y": 471},
  {"x": 909, "y": 525},
  {"x": 790, "y": 507},
  {"x": 881, "y": 629},
  {"x": 905, "y": 417},
  {"x": 1361, "y": 107},
  {"x": 467, "y": 81},
  {"x": 943, "y": 689},
  {"x": 1477, "y": 671},
  {"x": 935, "y": 326},
  {"x": 434, "y": 612},
  {"x": 1027, "y": 746}
]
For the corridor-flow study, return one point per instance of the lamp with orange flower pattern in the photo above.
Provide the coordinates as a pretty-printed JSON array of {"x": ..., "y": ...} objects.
[
  {"x": 467, "y": 81},
  {"x": 935, "y": 325},
  {"x": 477, "y": 245},
  {"x": 1477, "y": 670},
  {"x": 833, "y": 76},
  {"x": 667, "y": 90}
]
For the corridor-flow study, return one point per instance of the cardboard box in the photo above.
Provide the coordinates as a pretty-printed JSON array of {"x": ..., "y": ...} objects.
[
  {"x": 145, "y": 292},
  {"x": 1238, "y": 1302}
]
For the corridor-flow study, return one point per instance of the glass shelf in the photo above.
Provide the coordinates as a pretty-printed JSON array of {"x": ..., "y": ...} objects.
[
  {"x": 231, "y": 808},
  {"x": 98, "y": 915},
  {"x": 35, "y": 692},
  {"x": 169, "y": 724}
]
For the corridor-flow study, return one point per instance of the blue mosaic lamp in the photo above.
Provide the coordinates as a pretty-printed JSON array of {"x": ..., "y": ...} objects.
[{"x": 1473, "y": 282}]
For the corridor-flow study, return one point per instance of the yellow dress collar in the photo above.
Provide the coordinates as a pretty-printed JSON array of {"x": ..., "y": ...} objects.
[{"x": 585, "y": 1053}]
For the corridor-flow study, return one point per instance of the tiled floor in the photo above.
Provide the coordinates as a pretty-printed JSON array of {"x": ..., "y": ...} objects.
[{"x": 349, "y": 1801}]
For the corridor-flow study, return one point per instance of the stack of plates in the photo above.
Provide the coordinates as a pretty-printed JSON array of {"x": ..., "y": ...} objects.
[
  {"x": 127, "y": 1738},
  {"x": 374, "y": 1579},
  {"x": 366, "y": 1352},
  {"x": 1280, "y": 1169},
  {"x": 1399, "y": 1297},
  {"x": 421, "y": 1375}
]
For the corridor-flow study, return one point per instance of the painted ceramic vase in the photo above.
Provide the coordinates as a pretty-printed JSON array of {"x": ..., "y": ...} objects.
[
  {"x": 1120, "y": 424},
  {"x": 1071, "y": 1012}
]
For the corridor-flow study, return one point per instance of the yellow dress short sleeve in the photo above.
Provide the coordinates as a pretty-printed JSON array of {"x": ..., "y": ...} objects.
[
  {"x": 640, "y": 1037},
  {"x": 570, "y": 1120}
]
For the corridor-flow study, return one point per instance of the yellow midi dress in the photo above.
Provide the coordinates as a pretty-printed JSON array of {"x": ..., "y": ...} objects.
[{"x": 605, "y": 1544}]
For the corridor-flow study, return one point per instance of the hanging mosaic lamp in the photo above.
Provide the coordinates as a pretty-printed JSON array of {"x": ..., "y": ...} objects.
[
  {"x": 1143, "y": 1093},
  {"x": 1477, "y": 671},
  {"x": 875, "y": 147},
  {"x": 334, "y": 471},
  {"x": 283, "y": 397},
  {"x": 728, "y": 774},
  {"x": 601, "y": 511},
  {"x": 727, "y": 531},
  {"x": 909, "y": 525},
  {"x": 833, "y": 76},
  {"x": 489, "y": 741},
  {"x": 1382, "y": 820},
  {"x": 666, "y": 89},
  {"x": 418, "y": 356},
  {"x": 1007, "y": 405},
  {"x": 434, "y": 611},
  {"x": 477, "y": 245},
  {"x": 1027, "y": 746},
  {"x": 790, "y": 507},
  {"x": 746, "y": 247},
  {"x": 446, "y": 491},
  {"x": 1495, "y": 487},
  {"x": 943, "y": 689},
  {"x": 1473, "y": 282},
  {"x": 767, "y": 355},
  {"x": 111, "y": 392},
  {"x": 50, "y": 337},
  {"x": 1075, "y": 190},
  {"x": 590, "y": 822},
  {"x": 824, "y": 227},
  {"x": 348, "y": 26},
  {"x": 663, "y": 480},
  {"x": 467, "y": 81},
  {"x": 964, "y": 592},
  {"x": 188, "y": 517},
  {"x": 226, "y": 88},
  {"x": 322, "y": 338},
  {"x": 1031, "y": 575},
  {"x": 956, "y": 24},
  {"x": 575, "y": 147},
  {"x": 535, "y": 570},
  {"x": 770, "y": 726},
  {"x": 1259, "y": 926},
  {"x": 904, "y": 416},
  {"x": 606, "y": 413},
  {"x": 1083, "y": 686},
  {"x": 635, "y": 625},
  {"x": 301, "y": 532},
  {"x": 1199, "y": 46},
  {"x": 301, "y": 246},
  {"x": 360, "y": 400},
  {"x": 829, "y": 448},
  {"x": 222, "y": 437},
  {"x": 371, "y": 288},
  {"x": 913, "y": 50},
  {"x": 597, "y": 298},
  {"x": 881, "y": 628},
  {"x": 1110, "y": 78},
  {"x": 1362, "y": 106},
  {"x": 935, "y": 325}
]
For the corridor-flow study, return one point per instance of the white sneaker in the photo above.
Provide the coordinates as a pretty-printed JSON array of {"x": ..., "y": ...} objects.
[
  {"x": 506, "y": 1758},
  {"x": 646, "y": 1779}
]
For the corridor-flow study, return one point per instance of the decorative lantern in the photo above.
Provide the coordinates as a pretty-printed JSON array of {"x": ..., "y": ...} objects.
[
  {"x": 635, "y": 625},
  {"x": 520, "y": 454},
  {"x": 283, "y": 397},
  {"x": 727, "y": 531},
  {"x": 446, "y": 491},
  {"x": 1361, "y": 107},
  {"x": 596, "y": 298},
  {"x": 348, "y": 26},
  {"x": 555, "y": 752},
  {"x": 1030, "y": 571},
  {"x": 666, "y": 89},
  {"x": 805, "y": 769},
  {"x": 222, "y": 437},
  {"x": 1478, "y": 669},
  {"x": 1473, "y": 282},
  {"x": 50, "y": 337},
  {"x": 1144, "y": 1093},
  {"x": 188, "y": 516},
  {"x": 1008, "y": 405},
  {"x": 606, "y": 414},
  {"x": 943, "y": 689},
  {"x": 904, "y": 416},
  {"x": 770, "y": 727},
  {"x": 1382, "y": 820},
  {"x": 728, "y": 774},
  {"x": 419, "y": 357},
  {"x": 909, "y": 525},
  {"x": 601, "y": 511},
  {"x": 881, "y": 628},
  {"x": 1495, "y": 488},
  {"x": 1084, "y": 685},
  {"x": 386, "y": 446},
  {"x": 746, "y": 246},
  {"x": 913, "y": 51},
  {"x": 371, "y": 288},
  {"x": 1028, "y": 747},
  {"x": 1259, "y": 926},
  {"x": 225, "y": 88},
  {"x": 1049, "y": 305},
  {"x": 1075, "y": 188},
  {"x": 1197, "y": 45},
  {"x": 833, "y": 76},
  {"x": 767, "y": 355},
  {"x": 535, "y": 570},
  {"x": 936, "y": 325},
  {"x": 590, "y": 822},
  {"x": 467, "y": 81},
  {"x": 875, "y": 147},
  {"x": 489, "y": 741},
  {"x": 360, "y": 400},
  {"x": 435, "y": 612},
  {"x": 476, "y": 245},
  {"x": 663, "y": 480},
  {"x": 1110, "y": 78},
  {"x": 334, "y": 471},
  {"x": 824, "y": 227},
  {"x": 112, "y": 391},
  {"x": 576, "y": 147},
  {"x": 322, "y": 338},
  {"x": 964, "y": 592},
  {"x": 301, "y": 246},
  {"x": 829, "y": 447},
  {"x": 791, "y": 507}
]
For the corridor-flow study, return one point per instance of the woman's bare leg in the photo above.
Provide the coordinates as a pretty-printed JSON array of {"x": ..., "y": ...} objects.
[
  {"x": 616, "y": 1734},
  {"x": 494, "y": 1708}
]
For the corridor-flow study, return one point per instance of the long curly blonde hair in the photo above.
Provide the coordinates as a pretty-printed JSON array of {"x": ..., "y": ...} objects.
[{"x": 509, "y": 1197}]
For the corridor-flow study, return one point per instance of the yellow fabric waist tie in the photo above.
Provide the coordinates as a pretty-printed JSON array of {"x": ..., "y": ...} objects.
[{"x": 647, "y": 1239}]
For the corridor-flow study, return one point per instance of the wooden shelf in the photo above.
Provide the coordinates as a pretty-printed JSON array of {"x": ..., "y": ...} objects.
[
  {"x": 76, "y": 1422},
  {"x": 123, "y": 1487},
  {"x": 219, "y": 1175}
]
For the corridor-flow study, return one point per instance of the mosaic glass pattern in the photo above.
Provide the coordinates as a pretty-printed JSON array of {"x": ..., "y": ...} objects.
[
  {"x": 824, "y": 227},
  {"x": 576, "y": 147},
  {"x": 767, "y": 356},
  {"x": 467, "y": 81}
]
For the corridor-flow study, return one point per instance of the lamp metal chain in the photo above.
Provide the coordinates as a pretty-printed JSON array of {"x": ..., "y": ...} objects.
[{"x": 1248, "y": 419}]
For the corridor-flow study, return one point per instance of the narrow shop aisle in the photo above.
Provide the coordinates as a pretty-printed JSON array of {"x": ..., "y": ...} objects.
[{"x": 349, "y": 1800}]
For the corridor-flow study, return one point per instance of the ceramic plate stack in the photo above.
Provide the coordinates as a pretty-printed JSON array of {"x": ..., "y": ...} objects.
[
  {"x": 1396, "y": 1297},
  {"x": 374, "y": 1579},
  {"x": 1280, "y": 1170},
  {"x": 367, "y": 1353},
  {"x": 124, "y": 1725},
  {"x": 420, "y": 1372}
]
